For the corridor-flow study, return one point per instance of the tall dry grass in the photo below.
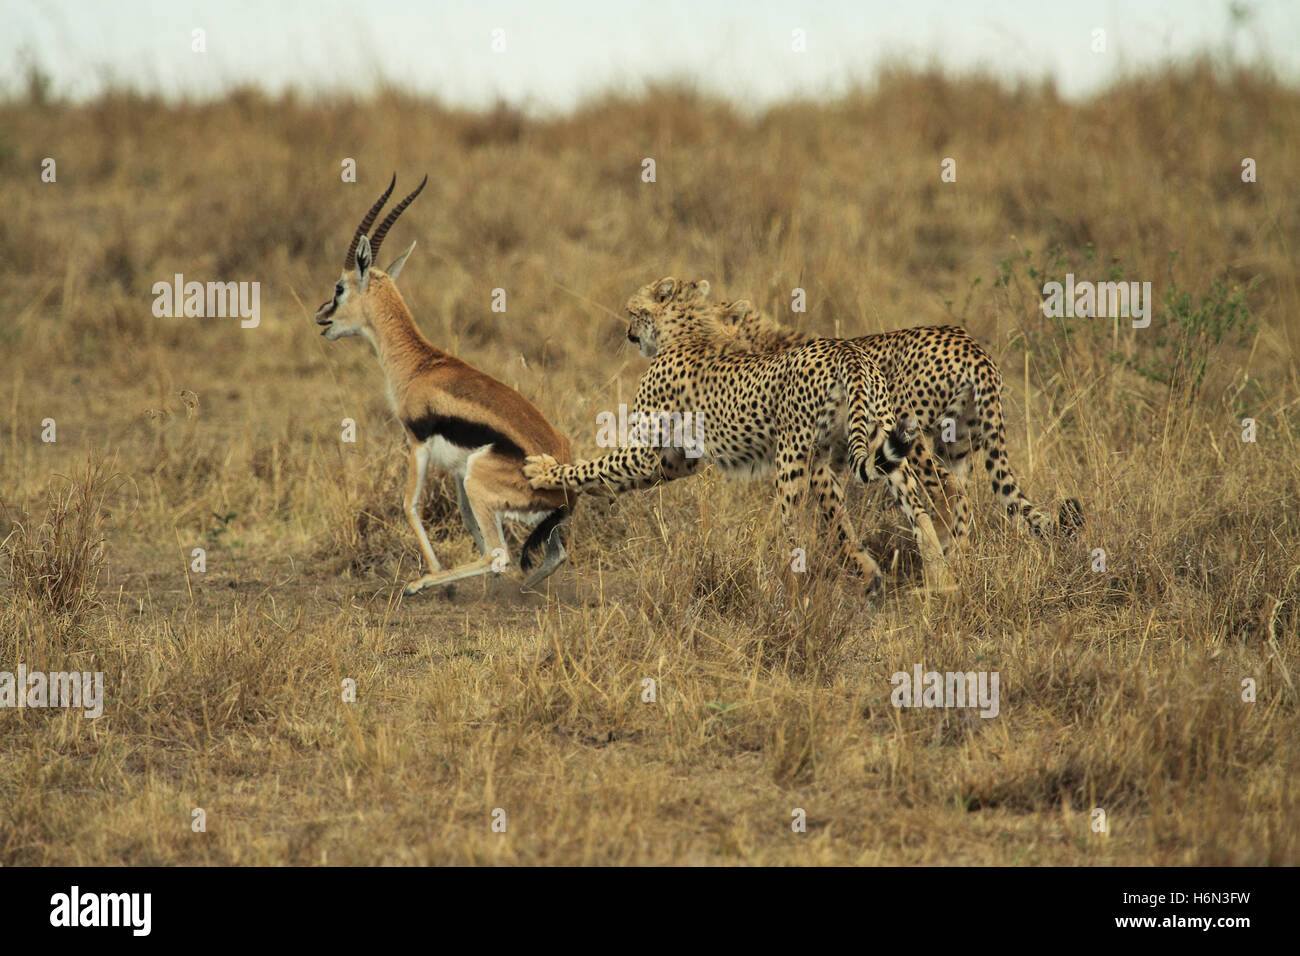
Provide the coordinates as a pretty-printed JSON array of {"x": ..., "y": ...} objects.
[{"x": 1121, "y": 689}]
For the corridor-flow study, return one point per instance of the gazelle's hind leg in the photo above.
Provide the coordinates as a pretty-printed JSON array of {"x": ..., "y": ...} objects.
[
  {"x": 483, "y": 505},
  {"x": 467, "y": 516},
  {"x": 551, "y": 561},
  {"x": 549, "y": 535}
]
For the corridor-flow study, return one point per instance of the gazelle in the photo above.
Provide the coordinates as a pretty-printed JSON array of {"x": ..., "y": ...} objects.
[{"x": 456, "y": 418}]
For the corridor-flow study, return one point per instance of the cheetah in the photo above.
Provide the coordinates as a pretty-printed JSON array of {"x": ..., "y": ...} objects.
[
  {"x": 787, "y": 410},
  {"x": 938, "y": 375}
]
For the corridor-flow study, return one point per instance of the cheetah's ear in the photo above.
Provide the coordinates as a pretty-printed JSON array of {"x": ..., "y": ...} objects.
[
  {"x": 665, "y": 288},
  {"x": 738, "y": 310},
  {"x": 702, "y": 288}
]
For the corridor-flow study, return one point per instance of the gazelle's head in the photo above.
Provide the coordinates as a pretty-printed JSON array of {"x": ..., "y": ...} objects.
[
  {"x": 348, "y": 311},
  {"x": 649, "y": 305}
]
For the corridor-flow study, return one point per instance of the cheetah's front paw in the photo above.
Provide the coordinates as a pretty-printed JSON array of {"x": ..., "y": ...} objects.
[{"x": 540, "y": 472}]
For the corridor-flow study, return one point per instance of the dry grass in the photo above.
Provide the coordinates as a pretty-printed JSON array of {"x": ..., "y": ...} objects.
[{"x": 1120, "y": 690}]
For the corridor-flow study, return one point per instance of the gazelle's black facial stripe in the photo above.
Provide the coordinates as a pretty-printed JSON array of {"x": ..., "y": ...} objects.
[{"x": 329, "y": 308}]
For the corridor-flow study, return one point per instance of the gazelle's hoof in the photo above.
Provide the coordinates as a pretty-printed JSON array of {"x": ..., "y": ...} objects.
[
  {"x": 448, "y": 590},
  {"x": 418, "y": 585}
]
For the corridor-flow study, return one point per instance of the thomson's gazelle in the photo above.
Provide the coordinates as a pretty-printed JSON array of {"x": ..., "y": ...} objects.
[{"x": 456, "y": 418}]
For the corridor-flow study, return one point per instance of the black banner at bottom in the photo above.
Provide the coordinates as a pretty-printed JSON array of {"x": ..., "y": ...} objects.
[{"x": 911, "y": 906}]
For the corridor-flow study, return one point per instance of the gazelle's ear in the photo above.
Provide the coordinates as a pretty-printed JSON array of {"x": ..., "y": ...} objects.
[
  {"x": 364, "y": 261},
  {"x": 396, "y": 266},
  {"x": 665, "y": 288}
]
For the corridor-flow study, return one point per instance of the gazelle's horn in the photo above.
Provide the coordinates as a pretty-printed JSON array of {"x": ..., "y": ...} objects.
[
  {"x": 378, "y": 238},
  {"x": 351, "y": 260}
]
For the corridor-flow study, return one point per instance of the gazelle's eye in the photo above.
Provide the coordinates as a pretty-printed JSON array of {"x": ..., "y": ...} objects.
[{"x": 338, "y": 290}]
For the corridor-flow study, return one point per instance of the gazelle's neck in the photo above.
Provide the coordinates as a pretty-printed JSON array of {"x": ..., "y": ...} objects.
[{"x": 402, "y": 350}]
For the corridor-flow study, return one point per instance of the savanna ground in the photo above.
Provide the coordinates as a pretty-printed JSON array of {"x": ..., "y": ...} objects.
[{"x": 1121, "y": 688}]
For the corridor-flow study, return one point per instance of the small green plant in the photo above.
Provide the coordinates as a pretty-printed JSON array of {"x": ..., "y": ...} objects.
[
  {"x": 1174, "y": 351},
  {"x": 214, "y": 534},
  {"x": 1202, "y": 325}
]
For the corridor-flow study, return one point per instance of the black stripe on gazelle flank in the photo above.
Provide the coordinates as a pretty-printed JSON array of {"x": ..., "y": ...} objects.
[{"x": 462, "y": 433}]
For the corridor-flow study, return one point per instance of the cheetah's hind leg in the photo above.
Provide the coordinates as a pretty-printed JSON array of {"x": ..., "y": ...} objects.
[{"x": 950, "y": 509}]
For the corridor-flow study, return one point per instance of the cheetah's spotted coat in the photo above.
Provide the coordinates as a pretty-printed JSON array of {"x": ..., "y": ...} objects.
[
  {"x": 795, "y": 410},
  {"x": 938, "y": 375}
]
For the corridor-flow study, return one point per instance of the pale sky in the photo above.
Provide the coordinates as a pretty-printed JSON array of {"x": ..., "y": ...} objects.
[{"x": 556, "y": 53}]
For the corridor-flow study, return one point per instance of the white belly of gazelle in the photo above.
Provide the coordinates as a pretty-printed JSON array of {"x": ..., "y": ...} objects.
[{"x": 450, "y": 458}]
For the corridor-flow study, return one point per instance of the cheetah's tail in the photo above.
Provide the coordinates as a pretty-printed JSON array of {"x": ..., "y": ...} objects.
[{"x": 877, "y": 444}]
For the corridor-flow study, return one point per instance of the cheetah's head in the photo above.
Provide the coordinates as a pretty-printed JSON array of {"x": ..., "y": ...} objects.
[
  {"x": 654, "y": 310},
  {"x": 739, "y": 326}
]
